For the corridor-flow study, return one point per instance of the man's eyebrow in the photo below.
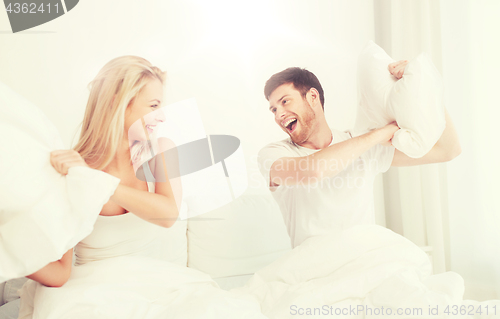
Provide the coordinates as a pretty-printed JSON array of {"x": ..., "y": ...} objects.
[
  {"x": 282, "y": 97},
  {"x": 279, "y": 100}
]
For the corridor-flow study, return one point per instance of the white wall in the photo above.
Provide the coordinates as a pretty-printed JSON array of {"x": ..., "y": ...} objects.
[
  {"x": 220, "y": 52},
  {"x": 471, "y": 66}
]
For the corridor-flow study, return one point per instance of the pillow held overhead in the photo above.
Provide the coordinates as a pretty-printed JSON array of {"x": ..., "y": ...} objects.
[
  {"x": 42, "y": 213},
  {"x": 415, "y": 102}
]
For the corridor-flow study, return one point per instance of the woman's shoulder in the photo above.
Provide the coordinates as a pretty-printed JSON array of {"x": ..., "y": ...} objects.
[{"x": 165, "y": 144}]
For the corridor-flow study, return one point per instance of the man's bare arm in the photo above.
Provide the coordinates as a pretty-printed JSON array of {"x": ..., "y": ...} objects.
[
  {"x": 327, "y": 162},
  {"x": 446, "y": 148}
]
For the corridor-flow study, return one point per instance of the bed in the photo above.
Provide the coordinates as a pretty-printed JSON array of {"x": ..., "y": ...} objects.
[
  {"x": 258, "y": 237},
  {"x": 258, "y": 258}
]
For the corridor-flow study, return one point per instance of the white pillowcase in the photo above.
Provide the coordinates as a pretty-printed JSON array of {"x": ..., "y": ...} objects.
[
  {"x": 42, "y": 213},
  {"x": 415, "y": 102}
]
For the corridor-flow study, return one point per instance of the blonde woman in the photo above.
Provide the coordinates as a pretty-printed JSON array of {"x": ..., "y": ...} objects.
[{"x": 120, "y": 269}]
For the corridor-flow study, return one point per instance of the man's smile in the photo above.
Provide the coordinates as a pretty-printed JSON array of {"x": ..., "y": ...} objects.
[{"x": 290, "y": 124}]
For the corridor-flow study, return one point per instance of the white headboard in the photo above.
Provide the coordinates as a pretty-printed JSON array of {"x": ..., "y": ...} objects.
[{"x": 238, "y": 238}]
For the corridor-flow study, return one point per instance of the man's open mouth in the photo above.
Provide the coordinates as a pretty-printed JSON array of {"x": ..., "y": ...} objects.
[{"x": 290, "y": 125}]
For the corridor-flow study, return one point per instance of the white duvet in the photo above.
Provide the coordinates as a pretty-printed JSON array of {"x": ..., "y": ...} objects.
[
  {"x": 134, "y": 287},
  {"x": 360, "y": 273},
  {"x": 364, "y": 272}
]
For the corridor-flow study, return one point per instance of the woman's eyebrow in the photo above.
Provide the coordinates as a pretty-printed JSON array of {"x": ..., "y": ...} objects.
[{"x": 155, "y": 100}]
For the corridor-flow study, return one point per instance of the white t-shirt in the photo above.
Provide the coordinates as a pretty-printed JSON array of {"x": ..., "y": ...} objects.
[{"x": 331, "y": 204}]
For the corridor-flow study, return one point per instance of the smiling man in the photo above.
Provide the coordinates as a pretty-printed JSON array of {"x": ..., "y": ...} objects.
[{"x": 323, "y": 178}]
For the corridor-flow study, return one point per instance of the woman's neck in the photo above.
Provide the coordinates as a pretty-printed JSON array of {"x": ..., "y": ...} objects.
[{"x": 121, "y": 160}]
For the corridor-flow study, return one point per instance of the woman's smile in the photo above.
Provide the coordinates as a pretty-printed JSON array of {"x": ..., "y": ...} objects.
[{"x": 150, "y": 128}]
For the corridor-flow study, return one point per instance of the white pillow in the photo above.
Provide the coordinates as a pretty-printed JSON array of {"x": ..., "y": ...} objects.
[
  {"x": 238, "y": 238},
  {"x": 42, "y": 213},
  {"x": 415, "y": 102}
]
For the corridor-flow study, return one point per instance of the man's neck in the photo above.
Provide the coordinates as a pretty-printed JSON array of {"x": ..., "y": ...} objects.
[{"x": 320, "y": 138}]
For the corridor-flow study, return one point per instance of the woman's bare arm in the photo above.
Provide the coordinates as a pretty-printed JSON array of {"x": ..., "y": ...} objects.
[
  {"x": 56, "y": 273},
  {"x": 156, "y": 208},
  {"x": 159, "y": 208},
  {"x": 162, "y": 207}
]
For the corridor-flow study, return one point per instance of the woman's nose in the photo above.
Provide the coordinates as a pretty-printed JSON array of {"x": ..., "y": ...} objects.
[{"x": 160, "y": 116}]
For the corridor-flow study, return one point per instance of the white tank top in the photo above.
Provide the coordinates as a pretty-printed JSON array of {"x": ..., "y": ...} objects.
[{"x": 121, "y": 235}]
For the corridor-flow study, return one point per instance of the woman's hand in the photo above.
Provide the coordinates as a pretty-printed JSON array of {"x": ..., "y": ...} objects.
[
  {"x": 62, "y": 160},
  {"x": 397, "y": 68}
]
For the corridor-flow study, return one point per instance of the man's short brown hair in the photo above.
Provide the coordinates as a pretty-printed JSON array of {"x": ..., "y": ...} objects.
[{"x": 302, "y": 80}]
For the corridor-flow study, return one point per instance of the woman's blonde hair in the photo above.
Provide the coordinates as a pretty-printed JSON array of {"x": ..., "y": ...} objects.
[{"x": 111, "y": 92}]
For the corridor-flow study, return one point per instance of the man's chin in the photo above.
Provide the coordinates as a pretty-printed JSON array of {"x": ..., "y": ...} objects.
[
  {"x": 296, "y": 139},
  {"x": 295, "y": 136}
]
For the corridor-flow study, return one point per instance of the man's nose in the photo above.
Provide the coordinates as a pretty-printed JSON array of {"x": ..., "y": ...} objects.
[{"x": 280, "y": 113}]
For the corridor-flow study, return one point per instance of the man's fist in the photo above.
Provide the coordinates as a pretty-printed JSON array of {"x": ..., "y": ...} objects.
[
  {"x": 397, "y": 68},
  {"x": 388, "y": 133}
]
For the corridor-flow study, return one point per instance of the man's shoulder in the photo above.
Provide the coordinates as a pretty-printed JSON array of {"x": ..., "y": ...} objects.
[
  {"x": 275, "y": 150},
  {"x": 285, "y": 145},
  {"x": 287, "y": 142},
  {"x": 340, "y": 136}
]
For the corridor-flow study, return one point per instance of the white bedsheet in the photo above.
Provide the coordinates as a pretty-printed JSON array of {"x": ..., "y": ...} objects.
[
  {"x": 11, "y": 310},
  {"x": 231, "y": 282},
  {"x": 367, "y": 266},
  {"x": 134, "y": 287}
]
